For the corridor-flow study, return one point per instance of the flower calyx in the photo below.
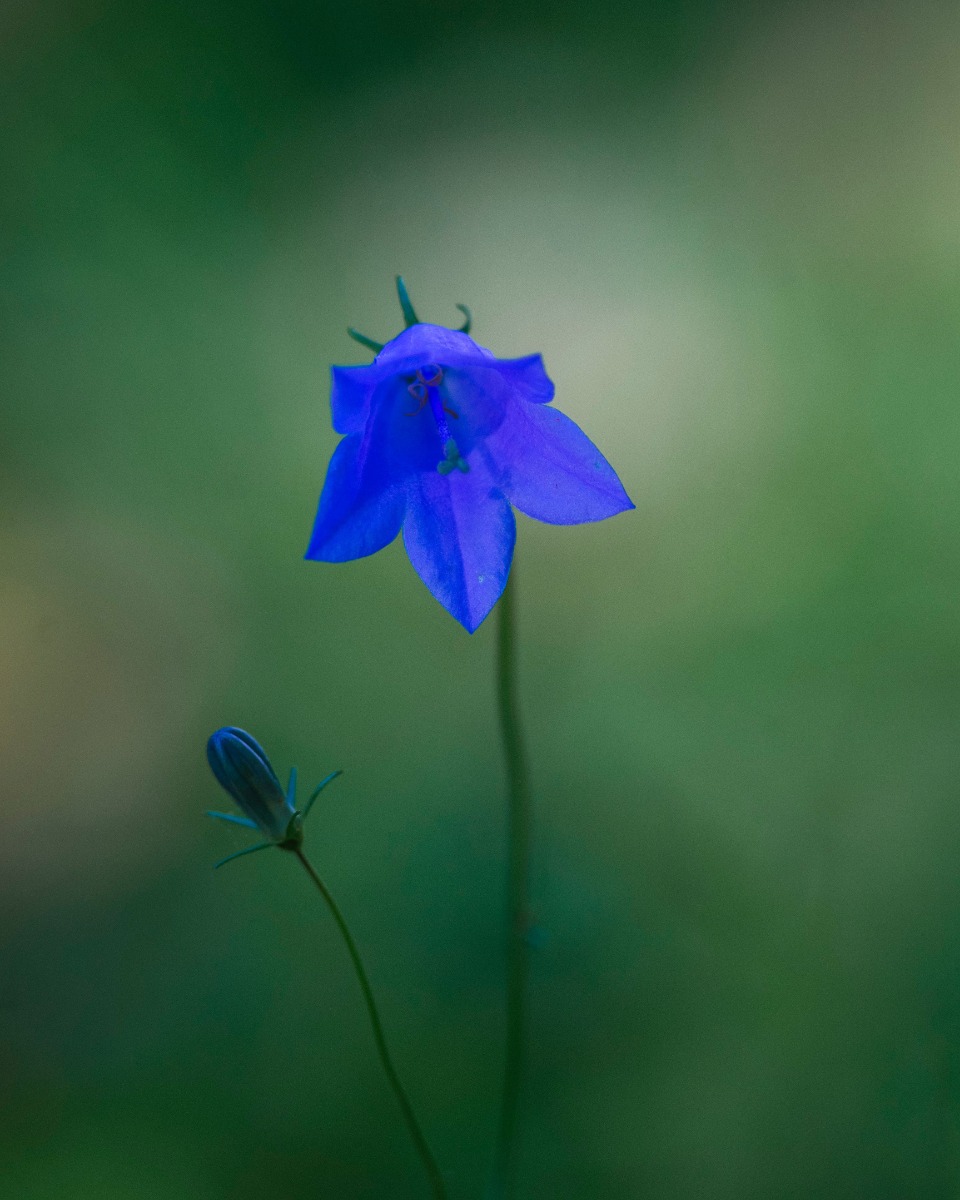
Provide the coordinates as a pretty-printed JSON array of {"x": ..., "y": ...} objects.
[{"x": 409, "y": 318}]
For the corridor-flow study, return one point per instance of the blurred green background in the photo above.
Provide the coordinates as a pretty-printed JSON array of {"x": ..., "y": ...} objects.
[{"x": 733, "y": 230}]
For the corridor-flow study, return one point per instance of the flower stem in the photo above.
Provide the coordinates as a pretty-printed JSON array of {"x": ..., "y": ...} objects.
[
  {"x": 416, "y": 1134},
  {"x": 518, "y": 877}
]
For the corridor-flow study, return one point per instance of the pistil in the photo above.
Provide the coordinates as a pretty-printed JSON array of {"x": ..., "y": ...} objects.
[{"x": 426, "y": 390}]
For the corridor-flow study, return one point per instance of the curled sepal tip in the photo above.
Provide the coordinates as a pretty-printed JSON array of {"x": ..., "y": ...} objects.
[{"x": 409, "y": 315}]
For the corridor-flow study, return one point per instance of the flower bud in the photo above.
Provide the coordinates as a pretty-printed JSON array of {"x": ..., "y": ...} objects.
[{"x": 242, "y": 768}]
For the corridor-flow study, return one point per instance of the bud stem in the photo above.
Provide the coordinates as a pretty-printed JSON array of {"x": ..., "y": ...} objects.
[{"x": 416, "y": 1134}]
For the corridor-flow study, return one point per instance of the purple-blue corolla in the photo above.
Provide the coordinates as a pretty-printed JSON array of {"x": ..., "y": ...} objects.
[{"x": 440, "y": 439}]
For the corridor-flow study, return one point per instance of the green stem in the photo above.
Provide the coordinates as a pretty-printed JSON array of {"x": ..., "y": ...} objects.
[
  {"x": 518, "y": 879},
  {"x": 419, "y": 1141}
]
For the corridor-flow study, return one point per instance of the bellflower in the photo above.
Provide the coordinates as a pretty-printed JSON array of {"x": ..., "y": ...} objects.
[
  {"x": 242, "y": 769},
  {"x": 440, "y": 439}
]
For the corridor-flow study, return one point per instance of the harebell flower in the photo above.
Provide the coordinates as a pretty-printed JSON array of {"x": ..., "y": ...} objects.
[{"x": 442, "y": 440}]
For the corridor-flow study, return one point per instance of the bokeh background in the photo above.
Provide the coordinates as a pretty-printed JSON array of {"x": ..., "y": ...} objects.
[{"x": 732, "y": 229}]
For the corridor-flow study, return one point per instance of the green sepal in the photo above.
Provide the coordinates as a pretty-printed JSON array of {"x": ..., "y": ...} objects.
[
  {"x": 409, "y": 316},
  {"x": 293, "y": 837},
  {"x": 362, "y": 338},
  {"x": 244, "y": 821},
  {"x": 317, "y": 790},
  {"x": 241, "y": 853}
]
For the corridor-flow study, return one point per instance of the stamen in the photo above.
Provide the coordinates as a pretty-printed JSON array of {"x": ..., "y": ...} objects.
[
  {"x": 420, "y": 394},
  {"x": 431, "y": 375},
  {"x": 425, "y": 389}
]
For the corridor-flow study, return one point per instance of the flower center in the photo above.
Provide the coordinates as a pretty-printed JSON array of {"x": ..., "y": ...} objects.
[{"x": 425, "y": 389}]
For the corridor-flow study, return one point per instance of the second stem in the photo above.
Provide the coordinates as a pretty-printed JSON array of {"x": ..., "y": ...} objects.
[{"x": 519, "y": 821}]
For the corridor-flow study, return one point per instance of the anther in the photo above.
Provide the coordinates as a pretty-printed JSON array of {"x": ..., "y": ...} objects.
[
  {"x": 431, "y": 375},
  {"x": 420, "y": 394}
]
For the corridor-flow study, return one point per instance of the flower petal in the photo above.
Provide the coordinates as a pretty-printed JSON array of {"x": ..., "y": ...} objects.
[
  {"x": 528, "y": 378},
  {"x": 549, "y": 469},
  {"x": 423, "y": 343},
  {"x": 350, "y": 392},
  {"x": 361, "y": 505},
  {"x": 459, "y": 532},
  {"x": 354, "y": 390},
  {"x": 483, "y": 396}
]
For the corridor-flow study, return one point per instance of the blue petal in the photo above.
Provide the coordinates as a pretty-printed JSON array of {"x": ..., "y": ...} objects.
[
  {"x": 350, "y": 392},
  {"x": 364, "y": 496},
  {"x": 459, "y": 533},
  {"x": 361, "y": 506},
  {"x": 528, "y": 378},
  {"x": 550, "y": 470},
  {"x": 484, "y": 396},
  {"x": 353, "y": 391},
  {"x": 422, "y": 343}
]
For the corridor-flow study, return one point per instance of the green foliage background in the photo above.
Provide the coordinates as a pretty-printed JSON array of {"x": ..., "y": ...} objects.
[{"x": 732, "y": 231}]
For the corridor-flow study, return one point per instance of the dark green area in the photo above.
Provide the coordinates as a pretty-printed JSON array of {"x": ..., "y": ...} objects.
[{"x": 731, "y": 230}]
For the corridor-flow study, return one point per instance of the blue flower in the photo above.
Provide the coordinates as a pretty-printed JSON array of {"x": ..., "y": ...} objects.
[
  {"x": 242, "y": 769},
  {"x": 440, "y": 439}
]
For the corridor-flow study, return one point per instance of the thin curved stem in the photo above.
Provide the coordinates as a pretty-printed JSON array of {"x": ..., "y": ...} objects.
[
  {"x": 519, "y": 823},
  {"x": 416, "y": 1134}
]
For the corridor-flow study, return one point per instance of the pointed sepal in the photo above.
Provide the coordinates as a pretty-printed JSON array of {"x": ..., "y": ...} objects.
[
  {"x": 362, "y": 338},
  {"x": 316, "y": 792},
  {"x": 409, "y": 316},
  {"x": 241, "y": 853},
  {"x": 245, "y": 821}
]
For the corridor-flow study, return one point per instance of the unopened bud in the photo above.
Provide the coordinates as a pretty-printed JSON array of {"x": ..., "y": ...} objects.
[{"x": 242, "y": 768}]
